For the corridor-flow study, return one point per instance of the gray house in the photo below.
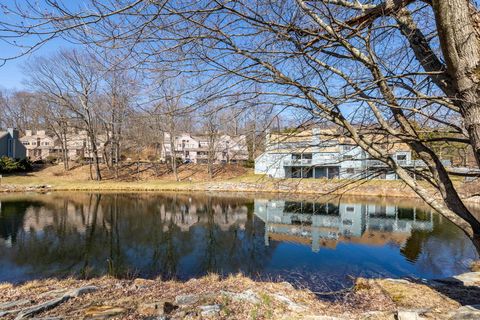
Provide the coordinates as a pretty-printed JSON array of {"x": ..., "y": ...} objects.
[
  {"x": 10, "y": 145},
  {"x": 323, "y": 153}
]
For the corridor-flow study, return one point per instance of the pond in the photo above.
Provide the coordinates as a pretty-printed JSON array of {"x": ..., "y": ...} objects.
[{"x": 317, "y": 243}]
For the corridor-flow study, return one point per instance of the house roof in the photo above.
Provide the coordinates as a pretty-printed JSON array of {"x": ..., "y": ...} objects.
[
  {"x": 200, "y": 138},
  {"x": 286, "y": 141},
  {"x": 35, "y": 137},
  {"x": 3, "y": 133}
]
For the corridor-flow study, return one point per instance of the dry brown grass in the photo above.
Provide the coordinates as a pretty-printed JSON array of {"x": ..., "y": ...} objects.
[
  {"x": 195, "y": 178},
  {"x": 475, "y": 266},
  {"x": 145, "y": 171},
  {"x": 383, "y": 297},
  {"x": 130, "y": 294}
]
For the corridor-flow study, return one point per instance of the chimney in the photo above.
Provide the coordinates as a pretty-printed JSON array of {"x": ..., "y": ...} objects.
[
  {"x": 316, "y": 137},
  {"x": 13, "y": 133},
  {"x": 28, "y": 133},
  {"x": 40, "y": 132},
  {"x": 267, "y": 139}
]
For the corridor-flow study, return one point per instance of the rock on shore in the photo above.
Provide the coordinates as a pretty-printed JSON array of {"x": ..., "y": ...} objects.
[{"x": 22, "y": 188}]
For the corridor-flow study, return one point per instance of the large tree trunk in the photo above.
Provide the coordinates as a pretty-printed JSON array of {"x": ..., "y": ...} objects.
[
  {"x": 98, "y": 174},
  {"x": 173, "y": 156},
  {"x": 66, "y": 163},
  {"x": 117, "y": 157},
  {"x": 461, "y": 49}
]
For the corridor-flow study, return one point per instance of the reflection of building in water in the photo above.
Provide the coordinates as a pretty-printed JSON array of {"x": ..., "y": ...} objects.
[
  {"x": 325, "y": 224},
  {"x": 79, "y": 216},
  {"x": 186, "y": 215},
  {"x": 74, "y": 216}
]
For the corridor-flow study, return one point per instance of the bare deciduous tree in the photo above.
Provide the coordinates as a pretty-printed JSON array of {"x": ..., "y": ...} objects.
[
  {"x": 74, "y": 86},
  {"x": 119, "y": 92},
  {"x": 212, "y": 132},
  {"x": 18, "y": 110},
  {"x": 380, "y": 70}
]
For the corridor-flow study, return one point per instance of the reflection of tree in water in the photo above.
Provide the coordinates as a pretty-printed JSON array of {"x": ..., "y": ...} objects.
[
  {"x": 414, "y": 244},
  {"x": 175, "y": 236},
  {"x": 233, "y": 250},
  {"x": 11, "y": 217},
  {"x": 137, "y": 234},
  {"x": 431, "y": 249}
]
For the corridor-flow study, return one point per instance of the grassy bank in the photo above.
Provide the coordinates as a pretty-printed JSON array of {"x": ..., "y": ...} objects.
[
  {"x": 195, "y": 178},
  {"x": 229, "y": 178}
]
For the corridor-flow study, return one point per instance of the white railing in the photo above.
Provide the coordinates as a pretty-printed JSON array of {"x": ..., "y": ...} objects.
[
  {"x": 367, "y": 163},
  {"x": 297, "y": 162},
  {"x": 402, "y": 163}
]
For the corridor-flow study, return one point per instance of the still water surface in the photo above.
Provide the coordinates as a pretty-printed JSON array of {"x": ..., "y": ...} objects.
[{"x": 320, "y": 244}]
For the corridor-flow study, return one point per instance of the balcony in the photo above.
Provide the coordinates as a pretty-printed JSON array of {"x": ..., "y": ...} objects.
[
  {"x": 297, "y": 162},
  {"x": 371, "y": 163},
  {"x": 402, "y": 163}
]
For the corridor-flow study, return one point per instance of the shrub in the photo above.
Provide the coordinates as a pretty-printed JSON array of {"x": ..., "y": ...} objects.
[
  {"x": 81, "y": 160},
  {"x": 9, "y": 165},
  {"x": 249, "y": 164},
  {"x": 51, "y": 159}
]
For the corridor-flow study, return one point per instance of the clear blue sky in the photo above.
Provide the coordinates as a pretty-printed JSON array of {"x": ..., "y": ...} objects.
[{"x": 12, "y": 73}]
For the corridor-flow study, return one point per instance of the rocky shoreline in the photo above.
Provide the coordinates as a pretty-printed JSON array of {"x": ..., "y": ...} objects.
[
  {"x": 284, "y": 187},
  {"x": 7, "y": 188},
  {"x": 335, "y": 189},
  {"x": 238, "y": 297}
]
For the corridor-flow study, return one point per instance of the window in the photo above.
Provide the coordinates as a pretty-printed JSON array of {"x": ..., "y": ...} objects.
[
  {"x": 296, "y": 172},
  {"x": 401, "y": 157},
  {"x": 351, "y": 170},
  {"x": 299, "y": 156},
  {"x": 320, "y": 172},
  {"x": 327, "y": 172},
  {"x": 307, "y": 172},
  {"x": 347, "y": 157},
  {"x": 333, "y": 172}
]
